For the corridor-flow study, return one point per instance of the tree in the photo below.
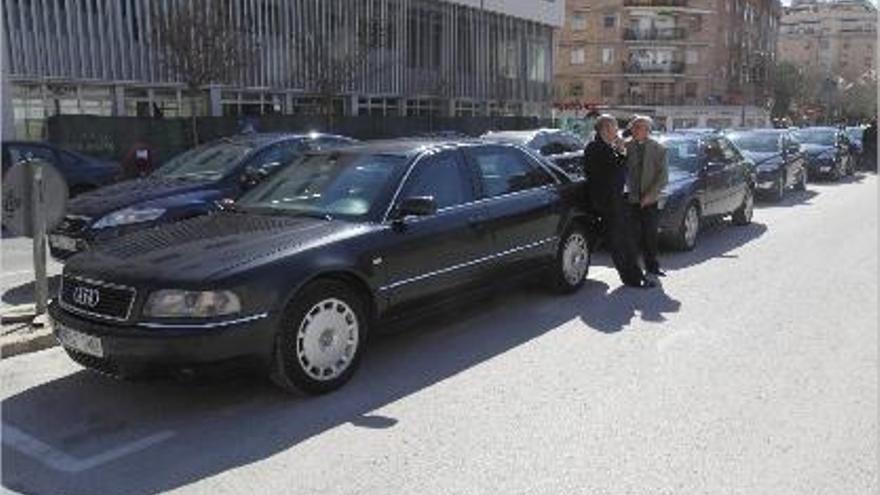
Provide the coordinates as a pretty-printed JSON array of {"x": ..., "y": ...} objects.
[
  {"x": 333, "y": 68},
  {"x": 859, "y": 100},
  {"x": 198, "y": 42}
]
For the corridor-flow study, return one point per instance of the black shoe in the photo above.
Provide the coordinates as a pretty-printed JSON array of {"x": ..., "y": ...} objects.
[
  {"x": 642, "y": 284},
  {"x": 657, "y": 272}
]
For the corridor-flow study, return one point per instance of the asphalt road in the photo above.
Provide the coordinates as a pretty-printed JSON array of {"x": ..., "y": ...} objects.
[{"x": 753, "y": 371}]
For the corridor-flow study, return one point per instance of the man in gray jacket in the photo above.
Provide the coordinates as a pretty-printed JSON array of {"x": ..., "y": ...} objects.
[{"x": 647, "y": 175}]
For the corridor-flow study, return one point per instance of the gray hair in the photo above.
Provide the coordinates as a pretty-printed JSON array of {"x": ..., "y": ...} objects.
[
  {"x": 604, "y": 120},
  {"x": 641, "y": 119}
]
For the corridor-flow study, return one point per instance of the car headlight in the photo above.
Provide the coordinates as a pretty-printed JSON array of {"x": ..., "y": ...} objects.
[
  {"x": 128, "y": 216},
  {"x": 172, "y": 303}
]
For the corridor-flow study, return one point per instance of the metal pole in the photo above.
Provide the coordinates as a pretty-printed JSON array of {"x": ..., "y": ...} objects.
[{"x": 38, "y": 219}]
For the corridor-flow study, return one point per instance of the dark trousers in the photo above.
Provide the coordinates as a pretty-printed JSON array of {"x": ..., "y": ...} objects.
[
  {"x": 618, "y": 225},
  {"x": 646, "y": 221}
]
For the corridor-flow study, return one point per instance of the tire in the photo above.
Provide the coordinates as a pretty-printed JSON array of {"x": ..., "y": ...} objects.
[
  {"x": 743, "y": 214},
  {"x": 572, "y": 262},
  {"x": 685, "y": 238},
  {"x": 320, "y": 357},
  {"x": 778, "y": 189},
  {"x": 802, "y": 182}
]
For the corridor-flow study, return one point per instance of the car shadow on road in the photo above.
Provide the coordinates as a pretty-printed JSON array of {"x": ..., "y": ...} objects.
[
  {"x": 24, "y": 294},
  {"x": 791, "y": 198},
  {"x": 205, "y": 428},
  {"x": 715, "y": 241}
]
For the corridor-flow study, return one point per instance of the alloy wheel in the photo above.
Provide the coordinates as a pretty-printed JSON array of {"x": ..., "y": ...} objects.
[
  {"x": 327, "y": 339},
  {"x": 575, "y": 257}
]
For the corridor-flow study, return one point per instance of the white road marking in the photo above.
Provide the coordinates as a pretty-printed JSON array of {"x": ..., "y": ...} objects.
[
  {"x": 61, "y": 461},
  {"x": 16, "y": 273}
]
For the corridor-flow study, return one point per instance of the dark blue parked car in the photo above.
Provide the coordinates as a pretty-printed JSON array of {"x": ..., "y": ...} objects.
[
  {"x": 827, "y": 152},
  {"x": 779, "y": 162},
  {"x": 190, "y": 184},
  {"x": 82, "y": 173},
  {"x": 708, "y": 178}
]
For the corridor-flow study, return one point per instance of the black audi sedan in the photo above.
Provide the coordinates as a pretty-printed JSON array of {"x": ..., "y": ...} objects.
[
  {"x": 778, "y": 159},
  {"x": 561, "y": 147},
  {"x": 188, "y": 185},
  {"x": 827, "y": 152},
  {"x": 708, "y": 178},
  {"x": 304, "y": 267}
]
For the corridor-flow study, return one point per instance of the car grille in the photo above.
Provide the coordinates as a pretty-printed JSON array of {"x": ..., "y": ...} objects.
[
  {"x": 73, "y": 224},
  {"x": 95, "y": 298}
]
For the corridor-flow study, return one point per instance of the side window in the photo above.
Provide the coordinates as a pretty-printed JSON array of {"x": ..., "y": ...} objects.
[
  {"x": 68, "y": 161},
  {"x": 714, "y": 153},
  {"x": 276, "y": 155},
  {"x": 22, "y": 152},
  {"x": 572, "y": 143},
  {"x": 442, "y": 177},
  {"x": 554, "y": 146},
  {"x": 505, "y": 170},
  {"x": 329, "y": 143}
]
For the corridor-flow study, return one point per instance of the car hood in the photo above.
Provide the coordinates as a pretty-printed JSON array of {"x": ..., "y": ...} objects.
[
  {"x": 131, "y": 192},
  {"x": 763, "y": 158},
  {"x": 814, "y": 150},
  {"x": 678, "y": 180},
  {"x": 191, "y": 252}
]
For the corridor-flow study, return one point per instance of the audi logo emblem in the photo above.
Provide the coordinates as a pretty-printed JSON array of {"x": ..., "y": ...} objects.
[{"x": 86, "y": 296}]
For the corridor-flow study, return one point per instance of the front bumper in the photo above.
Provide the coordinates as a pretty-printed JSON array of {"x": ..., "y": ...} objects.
[
  {"x": 766, "y": 181},
  {"x": 134, "y": 346},
  {"x": 821, "y": 168}
]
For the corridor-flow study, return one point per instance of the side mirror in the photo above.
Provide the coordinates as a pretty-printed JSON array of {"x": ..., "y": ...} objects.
[{"x": 418, "y": 206}]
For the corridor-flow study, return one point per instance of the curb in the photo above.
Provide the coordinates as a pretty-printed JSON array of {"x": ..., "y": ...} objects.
[{"x": 27, "y": 340}]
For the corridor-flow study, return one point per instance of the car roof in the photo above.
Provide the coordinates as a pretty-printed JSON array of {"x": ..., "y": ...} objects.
[
  {"x": 406, "y": 147},
  {"x": 763, "y": 130},
  {"x": 819, "y": 128},
  {"x": 265, "y": 138},
  {"x": 524, "y": 135}
]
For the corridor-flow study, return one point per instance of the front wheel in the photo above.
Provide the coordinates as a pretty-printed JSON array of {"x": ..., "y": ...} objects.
[
  {"x": 321, "y": 339},
  {"x": 572, "y": 260},
  {"x": 686, "y": 237},
  {"x": 743, "y": 215}
]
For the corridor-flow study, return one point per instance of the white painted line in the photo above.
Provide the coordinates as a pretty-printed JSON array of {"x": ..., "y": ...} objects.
[
  {"x": 61, "y": 461},
  {"x": 17, "y": 273}
]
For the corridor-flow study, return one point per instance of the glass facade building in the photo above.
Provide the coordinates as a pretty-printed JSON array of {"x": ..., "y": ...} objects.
[{"x": 456, "y": 57}]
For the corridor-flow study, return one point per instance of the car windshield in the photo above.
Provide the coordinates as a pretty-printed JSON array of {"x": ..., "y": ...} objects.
[
  {"x": 756, "y": 142},
  {"x": 683, "y": 152},
  {"x": 210, "y": 162},
  {"x": 333, "y": 185},
  {"x": 825, "y": 137}
]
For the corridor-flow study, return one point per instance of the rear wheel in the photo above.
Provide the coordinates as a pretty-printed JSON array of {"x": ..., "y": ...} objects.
[
  {"x": 572, "y": 260},
  {"x": 743, "y": 214},
  {"x": 321, "y": 338}
]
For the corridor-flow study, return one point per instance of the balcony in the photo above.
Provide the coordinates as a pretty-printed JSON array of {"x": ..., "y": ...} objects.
[
  {"x": 637, "y": 67},
  {"x": 655, "y": 3},
  {"x": 654, "y": 34}
]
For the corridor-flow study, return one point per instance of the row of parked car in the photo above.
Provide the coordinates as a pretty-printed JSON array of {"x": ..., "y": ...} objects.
[{"x": 288, "y": 251}]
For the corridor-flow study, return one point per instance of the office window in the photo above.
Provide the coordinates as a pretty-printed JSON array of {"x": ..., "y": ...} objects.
[
  {"x": 607, "y": 89},
  {"x": 576, "y": 89},
  {"x": 578, "y": 56},
  {"x": 690, "y": 90},
  {"x": 578, "y": 22},
  {"x": 823, "y": 44},
  {"x": 692, "y": 57},
  {"x": 607, "y": 56},
  {"x": 610, "y": 21}
]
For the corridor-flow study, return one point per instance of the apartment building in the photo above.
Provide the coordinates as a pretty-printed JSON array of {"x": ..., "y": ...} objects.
[
  {"x": 493, "y": 57},
  {"x": 670, "y": 58},
  {"x": 836, "y": 39}
]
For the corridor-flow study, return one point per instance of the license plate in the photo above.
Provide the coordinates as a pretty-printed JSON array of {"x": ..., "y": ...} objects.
[
  {"x": 79, "y": 341},
  {"x": 62, "y": 242},
  {"x": 825, "y": 169}
]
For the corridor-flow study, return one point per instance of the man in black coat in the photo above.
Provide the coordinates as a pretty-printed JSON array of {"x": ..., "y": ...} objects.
[
  {"x": 869, "y": 146},
  {"x": 605, "y": 170}
]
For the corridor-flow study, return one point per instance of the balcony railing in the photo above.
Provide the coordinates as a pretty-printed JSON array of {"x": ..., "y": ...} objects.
[
  {"x": 654, "y": 34},
  {"x": 637, "y": 67},
  {"x": 655, "y": 3}
]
